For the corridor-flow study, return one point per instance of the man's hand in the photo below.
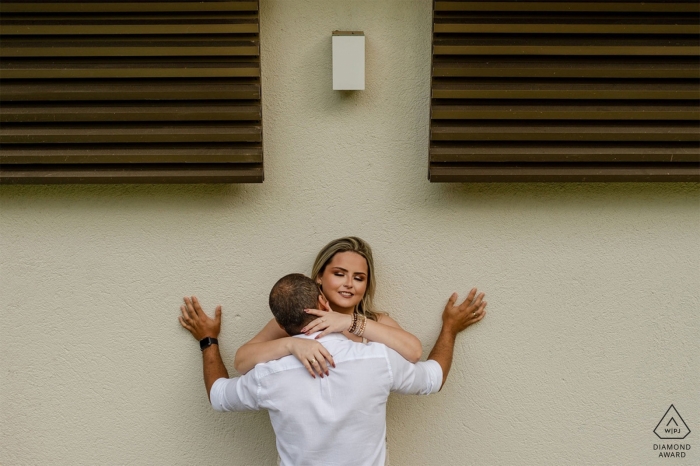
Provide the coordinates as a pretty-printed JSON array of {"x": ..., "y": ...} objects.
[
  {"x": 457, "y": 318},
  {"x": 201, "y": 326},
  {"x": 195, "y": 320},
  {"x": 454, "y": 320}
]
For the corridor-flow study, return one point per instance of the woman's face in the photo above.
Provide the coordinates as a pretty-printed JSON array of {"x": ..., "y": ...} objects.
[{"x": 344, "y": 281}]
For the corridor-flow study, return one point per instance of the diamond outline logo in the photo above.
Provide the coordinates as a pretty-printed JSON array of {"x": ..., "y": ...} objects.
[{"x": 675, "y": 414}]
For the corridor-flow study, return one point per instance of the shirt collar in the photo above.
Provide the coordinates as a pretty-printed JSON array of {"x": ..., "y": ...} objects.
[{"x": 329, "y": 337}]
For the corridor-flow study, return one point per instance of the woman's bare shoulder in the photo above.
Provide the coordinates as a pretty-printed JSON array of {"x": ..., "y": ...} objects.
[{"x": 384, "y": 319}]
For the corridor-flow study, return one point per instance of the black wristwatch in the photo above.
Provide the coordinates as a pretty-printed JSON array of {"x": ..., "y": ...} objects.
[{"x": 205, "y": 343}]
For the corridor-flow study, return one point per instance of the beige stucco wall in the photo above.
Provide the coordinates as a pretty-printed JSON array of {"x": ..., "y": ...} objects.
[{"x": 593, "y": 289}]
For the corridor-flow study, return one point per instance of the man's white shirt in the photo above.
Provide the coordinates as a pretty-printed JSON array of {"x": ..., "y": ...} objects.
[{"x": 335, "y": 420}]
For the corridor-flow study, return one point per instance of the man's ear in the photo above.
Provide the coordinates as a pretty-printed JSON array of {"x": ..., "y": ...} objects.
[{"x": 323, "y": 302}]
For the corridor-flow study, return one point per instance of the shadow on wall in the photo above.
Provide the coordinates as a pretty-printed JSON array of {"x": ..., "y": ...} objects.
[
  {"x": 133, "y": 196},
  {"x": 458, "y": 193},
  {"x": 562, "y": 193}
]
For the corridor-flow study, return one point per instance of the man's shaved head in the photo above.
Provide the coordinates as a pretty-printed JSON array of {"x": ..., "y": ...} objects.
[{"x": 289, "y": 297}]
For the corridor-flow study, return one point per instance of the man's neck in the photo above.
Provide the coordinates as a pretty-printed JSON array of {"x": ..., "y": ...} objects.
[{"x": 331, "y": 336}]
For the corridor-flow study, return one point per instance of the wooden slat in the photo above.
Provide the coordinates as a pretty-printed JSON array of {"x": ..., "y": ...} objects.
[
  {"x": 118, "y": 29},
  {"x": 162, "y": 111},
  {"x": 573, "y": 6},
  {"x": 143, "y": 133},
  {"x": 22, "y": 6},
  {"x": 128, "y": 24},
  {"x": 557, "y": 111},
  {"x": 536, "y": 26},
  {"x": 520, "y": 152},
  {"x": 619, "y": 90},
  {"x": 518, "y": 173},
  {"x": 126, "y": 47},
  {"x": 567, "y": 47},
  {"x": 565, "y": 68},
  {"x": 102, "y": 90},
  {"x": 99, "y": 69},
  {"x": 134, "y": 153},
  {"x": 557, "y": 131},
  {"x": 130, "y": 173},
  {"x": 565, "y": 28}
]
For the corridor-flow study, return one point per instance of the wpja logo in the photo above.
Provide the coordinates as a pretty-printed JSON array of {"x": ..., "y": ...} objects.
[{"x": 672, "y": 427}]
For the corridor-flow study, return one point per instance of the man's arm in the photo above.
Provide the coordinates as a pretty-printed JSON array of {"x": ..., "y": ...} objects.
[
  {"x": 195, "y": 320},
  {"x": 454, "y": 320},
  {"x": 214, "y": 368},
  {"x": 423, "y": 378}
]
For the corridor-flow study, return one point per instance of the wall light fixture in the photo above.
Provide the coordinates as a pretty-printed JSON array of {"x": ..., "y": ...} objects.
[{"x": 348, "y": 60}]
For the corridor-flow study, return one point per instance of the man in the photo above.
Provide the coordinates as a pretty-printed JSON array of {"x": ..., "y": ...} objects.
[{"x": 338, "y": 419}]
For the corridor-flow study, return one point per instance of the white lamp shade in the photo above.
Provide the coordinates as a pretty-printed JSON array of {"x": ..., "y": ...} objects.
[{"x": 348, "y": 60}]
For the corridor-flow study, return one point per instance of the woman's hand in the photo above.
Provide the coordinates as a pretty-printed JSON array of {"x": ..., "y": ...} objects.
[
  {"x": 328, "y": 320},
  {"x": 312, "y": 354}
]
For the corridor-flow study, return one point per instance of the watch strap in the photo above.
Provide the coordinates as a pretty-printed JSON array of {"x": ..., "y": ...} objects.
[{"x": 205, "y": 343}]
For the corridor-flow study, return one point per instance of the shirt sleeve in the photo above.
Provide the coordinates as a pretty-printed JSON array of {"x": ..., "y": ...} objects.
[
  {"x": 238, "y": 394},
  {"x": 422, "y": 378}
]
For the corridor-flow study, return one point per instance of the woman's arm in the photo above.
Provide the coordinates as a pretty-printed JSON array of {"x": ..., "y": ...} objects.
[
  {"x": 386, "y": 331},
  {"x": 272, "y": 342},
  {"x": 389, "y": 332},
  {"x": 269, "y": 344}
]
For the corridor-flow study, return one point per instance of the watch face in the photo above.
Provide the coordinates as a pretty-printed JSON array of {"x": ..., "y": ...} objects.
[{"x": 205, "y": 343}]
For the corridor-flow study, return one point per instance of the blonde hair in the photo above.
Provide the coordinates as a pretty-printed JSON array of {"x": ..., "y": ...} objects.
[{"x": 356, "y": 245}]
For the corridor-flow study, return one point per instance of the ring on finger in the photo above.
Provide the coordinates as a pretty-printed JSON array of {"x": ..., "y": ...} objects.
[{"x": 312, "y": 360}]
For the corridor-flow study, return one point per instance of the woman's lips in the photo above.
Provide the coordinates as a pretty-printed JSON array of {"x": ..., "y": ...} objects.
[{"x": 345, "y": 294}]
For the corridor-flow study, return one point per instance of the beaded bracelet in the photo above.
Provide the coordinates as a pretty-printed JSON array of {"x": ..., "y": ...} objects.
[
  {"x": 359, "y": 330},
  {"x": 353, "y": 327}
]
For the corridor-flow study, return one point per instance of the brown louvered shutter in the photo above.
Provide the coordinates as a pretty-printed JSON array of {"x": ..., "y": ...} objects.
[
  {"x": 111, "y": 91},
  {"x": 565, "y": 91}
]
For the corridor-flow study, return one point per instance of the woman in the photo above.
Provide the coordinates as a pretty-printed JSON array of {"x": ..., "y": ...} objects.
[{"x": 344, "y": 271}]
